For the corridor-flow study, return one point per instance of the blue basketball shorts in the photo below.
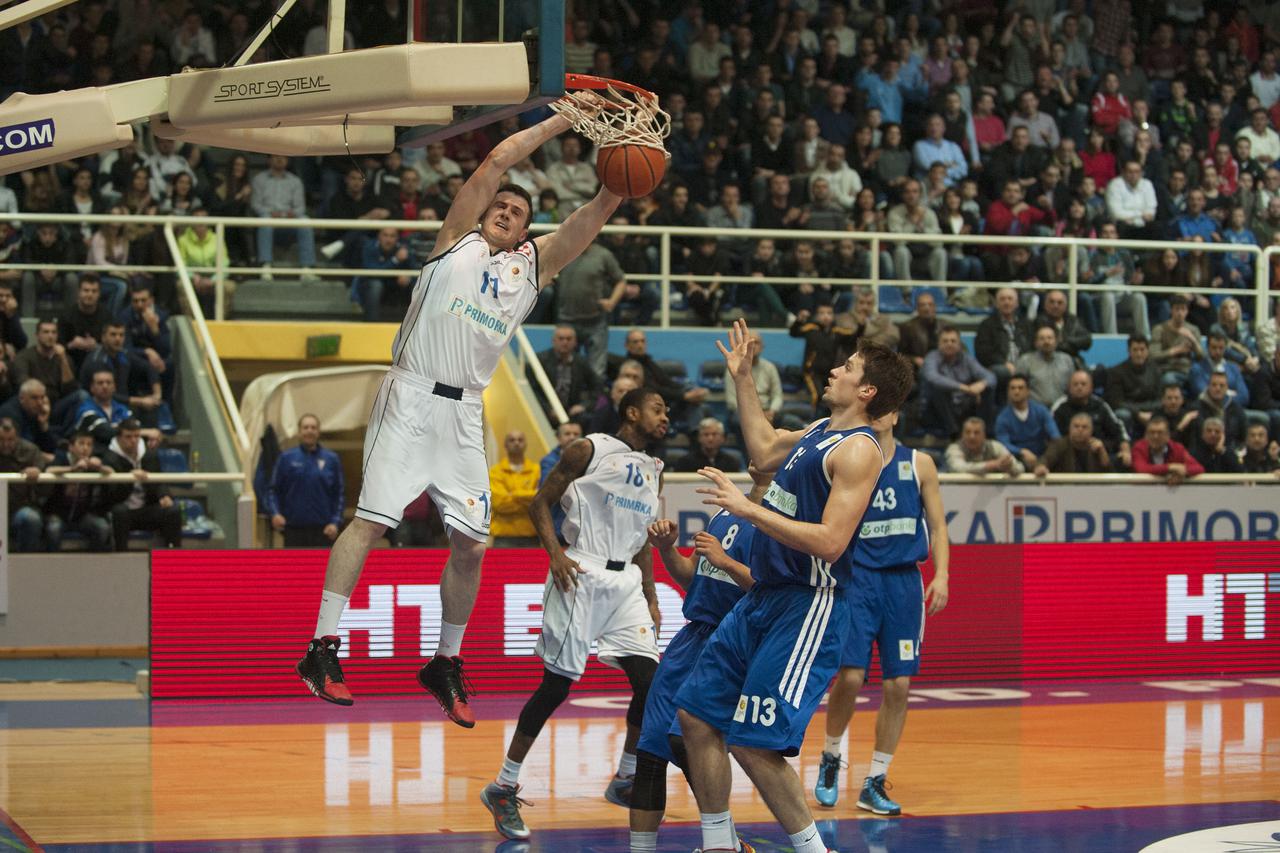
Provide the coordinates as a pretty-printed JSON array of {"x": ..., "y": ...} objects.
[
  {"x": 660, "y": 707},
  {"x": 886, "y": 607},
  {"x": 767, "y": 666}
]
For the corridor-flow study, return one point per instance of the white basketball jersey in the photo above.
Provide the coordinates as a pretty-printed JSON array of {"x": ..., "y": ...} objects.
[
  {"x": 466, "y": 306},
  {"x": 607, "y": 511}
]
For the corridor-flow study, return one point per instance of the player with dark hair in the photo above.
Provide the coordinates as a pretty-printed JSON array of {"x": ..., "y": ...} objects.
[
  {"x": 600, "y": 588},
  {"x": 425, "y": 431},
  {"x": 887, "y": 600},
  {"x": 766, "y": 667}
]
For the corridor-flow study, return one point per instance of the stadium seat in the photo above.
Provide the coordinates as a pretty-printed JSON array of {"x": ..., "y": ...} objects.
[
  {"x": 891, "y": 301},
  {"x": 792, "y": 376},
  {"x": 711, "y": 374},
  {"x": 674, "y": 368}
]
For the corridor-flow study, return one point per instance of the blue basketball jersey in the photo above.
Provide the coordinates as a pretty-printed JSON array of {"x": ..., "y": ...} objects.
[
  {"x": 713, "y": 593},
  {"x": 893, "y": 533},
  {"x": 800, "y": 490}
]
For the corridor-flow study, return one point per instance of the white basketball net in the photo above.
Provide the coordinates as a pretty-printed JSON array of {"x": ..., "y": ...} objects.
[{"x": 624, "y": 122}]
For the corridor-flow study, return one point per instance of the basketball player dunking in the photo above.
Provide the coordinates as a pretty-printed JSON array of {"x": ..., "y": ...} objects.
[{"x": 425, "y": 432}]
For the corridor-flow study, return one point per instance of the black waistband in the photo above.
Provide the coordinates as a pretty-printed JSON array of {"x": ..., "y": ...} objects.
[
  {"x": 615, "y": 565},
  {"x": 442, "y": 390}
]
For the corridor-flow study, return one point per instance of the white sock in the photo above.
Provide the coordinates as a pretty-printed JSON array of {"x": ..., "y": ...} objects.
[
  {"x": 808, "y": 840},
  {"x": 880, "y": 763},
  {"x": 832, "y": 745},
  {"x": 510, "y": 774},
  {"x": 643, "y": 842},
  {"x": 627, "y": 765},
  {"x": 331, "y": 606},
  {"x": 717, "y": 832},
  {"x": 450, "y": 639}
]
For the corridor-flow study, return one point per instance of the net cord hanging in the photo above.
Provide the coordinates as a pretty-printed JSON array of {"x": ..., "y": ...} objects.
[{"x": 622, "y": 122}]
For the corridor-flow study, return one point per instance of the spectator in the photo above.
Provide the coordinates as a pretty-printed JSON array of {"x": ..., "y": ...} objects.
[
  {"x": 1133, "y": 388},
  {"x": 307, "y": 491},
  {"x": 1025, "y": 426},
  {"x": 919, "y": 334},
  {"x": 27, "y": 524},
  {"x": 867, "y": 323},
  {"x": 199, "y": 247},
  {"x": 1109, "y": 106},
  {"x": 1174, "y": 343},
  {"x": 1080, "y": 398},
  {"x": 988, "y": 126},
  {"x": 146, "y": 329},
  {"x": 232, "y": 197},
  {"x": 1073, "y": 336},
  {"x": 30, "y": 411},
  {"x": 1078, "y": 453},
  {"x": 588, "y": 289},
  {"x": 1002, "y": 337},
  {"x": 573, "y": 180},
  {"x": 1269, "y": 334},
  {"x": 1264, "y": 142},
  {"x": 101, "y": 412},
  {"x": 913, "y": 217},
  {"x": 686, "y": 401},
  {"x": 640, "y": 299},
  {"x": 566, "y": 434},
  {"x": 81, "y": 326},
  {"x": 764, "y": 373},
  {"x": 46, "y": 361},
  {"x": 704, "y": 295},
  {"x": 963, "y": 263},
  {"x": 137, "y": 384},
  {"x": 605, "y": 417},
  {"x": 1115, "y": 267},
  {"x": 1212, "y": 450},
  {"x": 50, "y": 246},
  {"x": 1215, "y": 361},
  {"x": 1131, "y": 202},
  {"x": 142, "y": 505},
  {"x": 824, "y": 342},
  {"x": 834, "y": 121},
  {"x": 822, "y": 213},
  {"x": 1182, "y": 418},
  {"x": 166, "y": 164},
  {"x": 1042, "y": 127},
  {"x": 1158, "y": 454},
  {"x": 844, "y": 182},
  {"x": 1011, "y": 216},
  {"x": 356, "y": 200},
  {"x": 731, "y": 213},
  {"x": 436, "y": 168},
  {"x": 954, "y": 386},
  {"x": 1023, "y": 40},
  {"x": 1215, "y": 401},
  {"x": 709, "y": 451},
  {"x": 514, "y": 482},
  {"x": 1015, "y": 160},
  {"x": 576, "y": 385},
  {"x": 1048, "y": 369},
  {"x": 385, "y": 251},
  {"x": 1261, "y": 455},
  {"x": 1265, "y": 82},
  {"x": 975, "y": 454},
  {"x": 279, "y": 194},
  {"x": 80, "y": 506},
  {"x": 936, "y": 148}
]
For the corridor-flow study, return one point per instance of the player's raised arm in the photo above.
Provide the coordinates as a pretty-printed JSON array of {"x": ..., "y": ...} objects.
[
  {"x": 573, "y": 462},
  {"x": 939, "y": 543},
  {"x": 663, "y": 534},
  {"x": 855, "y": 466},
  {"x": 575, "y": 234},
  {"x": 477, "y": 193},
  {"x": 767, "y": 448}
]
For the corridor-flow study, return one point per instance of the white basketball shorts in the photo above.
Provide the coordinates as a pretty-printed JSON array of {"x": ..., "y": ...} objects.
[
  {"x": 607, "y": 608},
  {"x": 419, "y": 441}
]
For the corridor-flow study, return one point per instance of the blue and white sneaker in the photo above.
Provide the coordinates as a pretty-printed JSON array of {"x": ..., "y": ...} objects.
[
  {"x": 874, "y": 799},
  {"x": 827, "y": 789},
  {"x": 619, "y": 790}
]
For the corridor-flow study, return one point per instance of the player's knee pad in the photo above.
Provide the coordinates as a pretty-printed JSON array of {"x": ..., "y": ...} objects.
[
  {"x": 639, "y": 672},
  {"x": 551, "y": 693},
  {"x": 649, "y": 791}
]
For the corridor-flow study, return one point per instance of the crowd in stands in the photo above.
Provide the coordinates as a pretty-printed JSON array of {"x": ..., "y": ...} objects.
[{"x": 1026, "y": 119}]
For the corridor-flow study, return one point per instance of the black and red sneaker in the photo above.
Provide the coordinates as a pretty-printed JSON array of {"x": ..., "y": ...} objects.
[
  {"x": 321, "y": 672},
  {"x": 444, "y": 679}
]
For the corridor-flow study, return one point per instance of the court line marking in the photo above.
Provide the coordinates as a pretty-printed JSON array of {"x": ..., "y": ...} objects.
[{"x": 31, "y": 846}]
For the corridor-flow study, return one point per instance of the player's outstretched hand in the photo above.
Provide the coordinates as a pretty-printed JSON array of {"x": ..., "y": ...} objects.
[
  {"x": 663, "y": 533},
  {"x": 936, "y": 594},
  {"x": 709, "y": 548},
  {"x": 565, "y": 571},
  {"x": 737, "y": 357},
  {"x": 722, "y": 492}
]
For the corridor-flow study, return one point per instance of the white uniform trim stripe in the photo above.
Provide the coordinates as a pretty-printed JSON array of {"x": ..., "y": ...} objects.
[
  {"x": 828, "y": 604},
  {"x": 807, "y": 638},
  {"x": 798, "y": 648},
  {"x": 923, "y": 616}
]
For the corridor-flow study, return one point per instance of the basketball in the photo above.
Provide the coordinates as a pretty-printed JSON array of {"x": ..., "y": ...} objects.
[{"x": 631, "y": 171}]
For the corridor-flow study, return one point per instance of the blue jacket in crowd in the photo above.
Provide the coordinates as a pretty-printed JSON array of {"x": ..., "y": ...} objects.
[
  {"x": 1033, "y": 434},
  {"x": 307, "y": 487}
]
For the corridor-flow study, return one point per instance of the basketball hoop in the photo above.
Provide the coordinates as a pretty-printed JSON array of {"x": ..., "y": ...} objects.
[{"x": 631, "y": 115}]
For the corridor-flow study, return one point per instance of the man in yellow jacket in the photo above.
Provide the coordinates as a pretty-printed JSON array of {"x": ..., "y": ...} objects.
[{"x": 513, "y": 482}]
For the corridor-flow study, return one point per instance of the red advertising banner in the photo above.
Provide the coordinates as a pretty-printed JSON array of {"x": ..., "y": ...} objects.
[{"x": 233, "y": 623}]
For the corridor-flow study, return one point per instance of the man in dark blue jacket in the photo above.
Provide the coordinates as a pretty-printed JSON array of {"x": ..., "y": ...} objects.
[{"x": 307, "y": 493}]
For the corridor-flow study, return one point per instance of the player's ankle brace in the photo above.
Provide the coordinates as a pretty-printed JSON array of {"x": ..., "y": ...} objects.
[
  {"x": 649, "y": 791},
  {"x": 553, "y": 690}
]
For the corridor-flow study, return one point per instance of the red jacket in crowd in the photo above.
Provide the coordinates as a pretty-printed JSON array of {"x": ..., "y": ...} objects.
[
  {"x": 1175, "y": 453},
  {"x": 1108, "y": 111}
]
